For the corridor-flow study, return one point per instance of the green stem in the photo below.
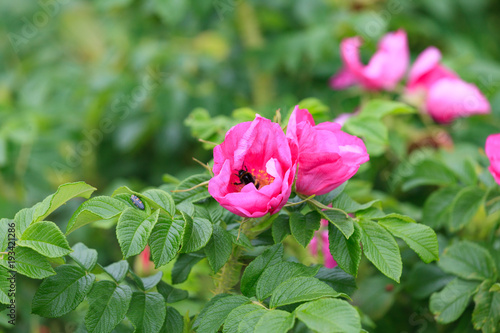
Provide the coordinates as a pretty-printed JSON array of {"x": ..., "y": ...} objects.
[{"x": 320, "y": 205}]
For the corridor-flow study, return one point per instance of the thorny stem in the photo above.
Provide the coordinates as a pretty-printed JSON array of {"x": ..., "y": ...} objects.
[{"x": 229, "y": 274}]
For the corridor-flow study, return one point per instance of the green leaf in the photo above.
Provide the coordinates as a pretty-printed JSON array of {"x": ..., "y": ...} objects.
[
  {"x": 196, "y": 233},
  {"x": 186, "y": 207},
  {"x": 337, "y": 279},
  {"x": 24, "y": 218},
  {"x": 368, "y": 127},
  {"x": 250, "y": 320},
  {"x": 151, "y": 281},
  {"x": 45, "y": 238},
  {"x": 340, "y": 220},
  {"x": 281, "y": 228},
  {"x": 170, "y": 293},
  {"x": 136, "y": 279},
  {"x": 275, "y": 321},
  {"x": 165, "y": 240},
  {"x": 345, "y": 202},
  {"x": 315, "y": 106},
  {"x": 117, "y": 270},
  {"x": 95, "y": 209},
  {"x": 63, "y": 194},
  {"x": 133, "y": 230},
  {"x": 173, "y": 321},
  {"x": 183, "y": 265},
  {"x": 207, "y": 306},
  {"x": 274, "y": 275},
  {"x": 219, "y": 248},
  {"x": 429, "y": 172},
  {"x": 346, "y": 252},
  {"x": 426, "y": 279},
  {"x": 61, "y": 293},
  {"x": 85, "y": 257},
  {"x": 195, "y": 193},
  {"x": 448, "y": 304},
  {"x": 437, "y": 208},
  {"x": 159, "y": 199},
  {"x": 420, "y": 238},
  {"x": 210, "y": 210},
  {"x": 300, "y": 289},
  {"x": 381, "y": 249},
  {"x": 486, "y": 315},
  {"x": 4, "y": 233},
  {"x": 147, "y": 312},
  {"x": 468, "y": 261},
  {"x": 216, "y": 312},
  {"x": 5, "y": 285},
  {"x": 30, "y": 263},
  {"x": 234, "y": 318},
  {"x": 329, "y": 315},
  {"x": 108, "y": 305},
  {"x": 379, "y": 108},
  {"x": 254, "y": 270},
  {"x": 304, "y": 226},
  {"x": 465, "y": 206}
]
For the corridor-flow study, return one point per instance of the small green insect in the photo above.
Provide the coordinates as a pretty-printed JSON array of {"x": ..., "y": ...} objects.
[{"x": 137, "y": 202}]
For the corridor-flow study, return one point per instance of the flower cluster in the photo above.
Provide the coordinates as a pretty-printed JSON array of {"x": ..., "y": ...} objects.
[
  {"x": 257, "y": 164},
  {"x": 431, "y": 86}
]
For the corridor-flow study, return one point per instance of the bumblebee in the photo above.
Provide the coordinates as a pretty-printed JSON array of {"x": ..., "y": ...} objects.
[
  {"x": 246, "y": 178},
  {"x": 137, "y": 202}
]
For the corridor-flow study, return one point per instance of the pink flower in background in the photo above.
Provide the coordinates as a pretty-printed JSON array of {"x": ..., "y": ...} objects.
[
  {"x": 142, "y": 265},
  {"x": 327, "y": 156},
  {"x": 444, "y": 95},
  {"x": 325, "y": 250},
  {"x": 253, "y": 169},
  {"x": 384, "y": 70},
  {"x": 493, "y": 152},
  {"x": 448, "y": 99},
  {"x": 427, "y": 70}
]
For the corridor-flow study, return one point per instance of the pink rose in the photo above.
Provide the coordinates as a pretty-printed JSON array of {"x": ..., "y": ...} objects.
[
  {"x": 384, "y": 70},
  {"x": 445, "y": 95},
  {"x": 493, "y": 152},
  {"x": 327, "y": 156},
  {"x": 325, "y": 250},
  {"x": 259, "y": 152}
]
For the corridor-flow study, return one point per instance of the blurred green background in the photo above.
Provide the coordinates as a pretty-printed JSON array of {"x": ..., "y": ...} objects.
[{"x": 100, "y": 90}]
